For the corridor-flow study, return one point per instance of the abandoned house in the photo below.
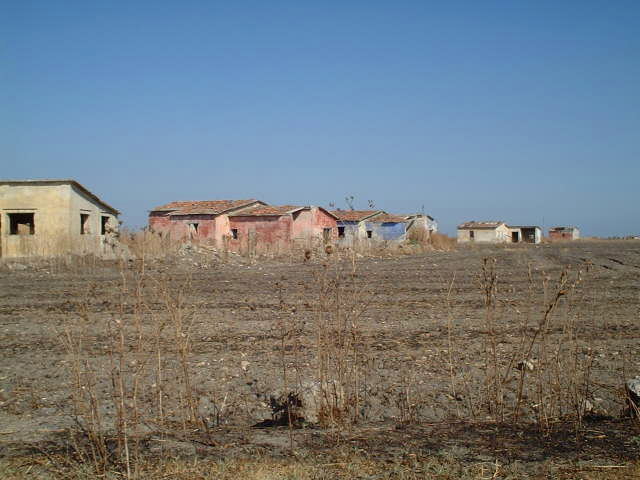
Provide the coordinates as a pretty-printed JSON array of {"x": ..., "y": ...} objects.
[
  {"x": 274, "y": 229},
  {"x": 53, "y": 218},
  {"x": 422, "y": 221},
  {"x": 525, "y": 234},
  {"x": 487, "y": 232},
  {"x": 387, "y": 227},
  {"x": 355, "y": 225},
  {"x": 198, "y": 221},
  {"x": 564, "y": 233}
]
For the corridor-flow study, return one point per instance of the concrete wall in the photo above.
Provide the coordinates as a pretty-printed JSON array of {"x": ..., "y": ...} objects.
[
  {"x": 56, "y": 212},
  {"x": 93, "y": 240}
]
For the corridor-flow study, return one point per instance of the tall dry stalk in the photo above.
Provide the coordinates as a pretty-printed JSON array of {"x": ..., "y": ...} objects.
[
  {"x": 548, "y": 369},
  {"x": 342, "y": 354}
]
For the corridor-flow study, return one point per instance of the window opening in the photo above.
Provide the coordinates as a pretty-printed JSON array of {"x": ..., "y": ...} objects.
[
  {"x": 21, "y": 224},
  {"x": 369, "y": 233},
  {"x": 341, "y": 232},
  {"x": 472, "y": 234},
  {"x": 84, "y": 223},
  {"x": 234, "y": 233}
]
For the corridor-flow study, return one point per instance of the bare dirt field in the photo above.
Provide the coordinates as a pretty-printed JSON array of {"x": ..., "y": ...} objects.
[{"x": 503, "y": 361}]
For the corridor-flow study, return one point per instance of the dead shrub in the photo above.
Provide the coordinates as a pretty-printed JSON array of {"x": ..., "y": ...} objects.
[
  {"x": 440, "y": 241},
  {"x": 343, "y": 359}
]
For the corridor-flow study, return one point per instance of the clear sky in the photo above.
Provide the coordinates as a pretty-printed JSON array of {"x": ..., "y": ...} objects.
[{"x": 524, "y": 111}]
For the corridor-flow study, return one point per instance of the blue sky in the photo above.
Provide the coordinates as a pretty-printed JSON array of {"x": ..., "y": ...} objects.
[{"x": 527, "y": 112}]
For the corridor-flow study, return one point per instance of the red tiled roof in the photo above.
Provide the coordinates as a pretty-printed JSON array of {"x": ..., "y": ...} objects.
[
  {"x": 267, "y": 210},
  {"x": 213, "y": 207},
  {"x": 355, "y": 215},
  {"x": 479, "y": 225},
  {"x": 389, "y": 218}
]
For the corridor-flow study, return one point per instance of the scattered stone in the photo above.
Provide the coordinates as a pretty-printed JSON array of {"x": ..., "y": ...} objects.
[
  {"x": 633, "y": 394},
  {"x": 525, "y": 365}
]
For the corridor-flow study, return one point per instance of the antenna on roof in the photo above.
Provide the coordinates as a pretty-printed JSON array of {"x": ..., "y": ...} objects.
[{"x": 349, "y": 201}]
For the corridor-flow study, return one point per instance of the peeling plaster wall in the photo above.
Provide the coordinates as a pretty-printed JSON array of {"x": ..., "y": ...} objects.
[
  {"x": 322, "y": 220},
  {"x": 309, "y": 225},
  {"x": 354, "y": 232},
  {"x": 387, "y": 231},
  {"x": 178, "y": 228},
  {"x": 261, "y": 233}
]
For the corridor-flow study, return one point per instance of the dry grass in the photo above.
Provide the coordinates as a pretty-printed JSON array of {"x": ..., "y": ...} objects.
[
  {"x": 536, "y": 368},
  {"x": 340, "y": 464},
  {"x": 440, "y": 241}
]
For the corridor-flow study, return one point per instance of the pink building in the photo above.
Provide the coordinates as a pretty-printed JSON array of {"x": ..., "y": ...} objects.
[
  {"x": 203, "y": 221},
  {"x": 241, "y": 225},
  {"x": 278, "y": 228}
]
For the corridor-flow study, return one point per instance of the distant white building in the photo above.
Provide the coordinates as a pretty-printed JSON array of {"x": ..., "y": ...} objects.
[{"x": 484, "y": 232}]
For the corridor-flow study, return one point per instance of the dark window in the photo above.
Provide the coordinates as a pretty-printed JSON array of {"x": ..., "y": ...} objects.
[
  {"x": 84, "y": 223},
  {"x": 234, "y": 233},
  {"x": 103, "y": 225},
  {"x": 369, "y": 233},
  {"x": 21, "y": 224},
  {"x": 341, "y": 232},
  {"x": 471, "y": 234},
  {"x": 193, "y": 230}
]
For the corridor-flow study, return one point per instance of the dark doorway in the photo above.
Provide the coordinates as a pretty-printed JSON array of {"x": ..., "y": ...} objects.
[
  {"x": 103, "y": 225},
  {"x": 515, "y": 237}
]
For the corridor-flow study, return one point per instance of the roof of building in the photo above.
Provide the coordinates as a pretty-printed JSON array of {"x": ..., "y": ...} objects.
[
  {"x": 552, "y": 229},
  {"x": 355, "y": 215},
  {"x": 480, "y": 225},
  {"x": 268, "y": 211},
  {"x": 274, "y": 210},
  {"x": 524, "y": 226},
  {"x": 208, "y": 207},
  {"x": 64, "y": 181},
  {"x": 416, "y": 215},
  {"x": 389, "y": 218}
]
